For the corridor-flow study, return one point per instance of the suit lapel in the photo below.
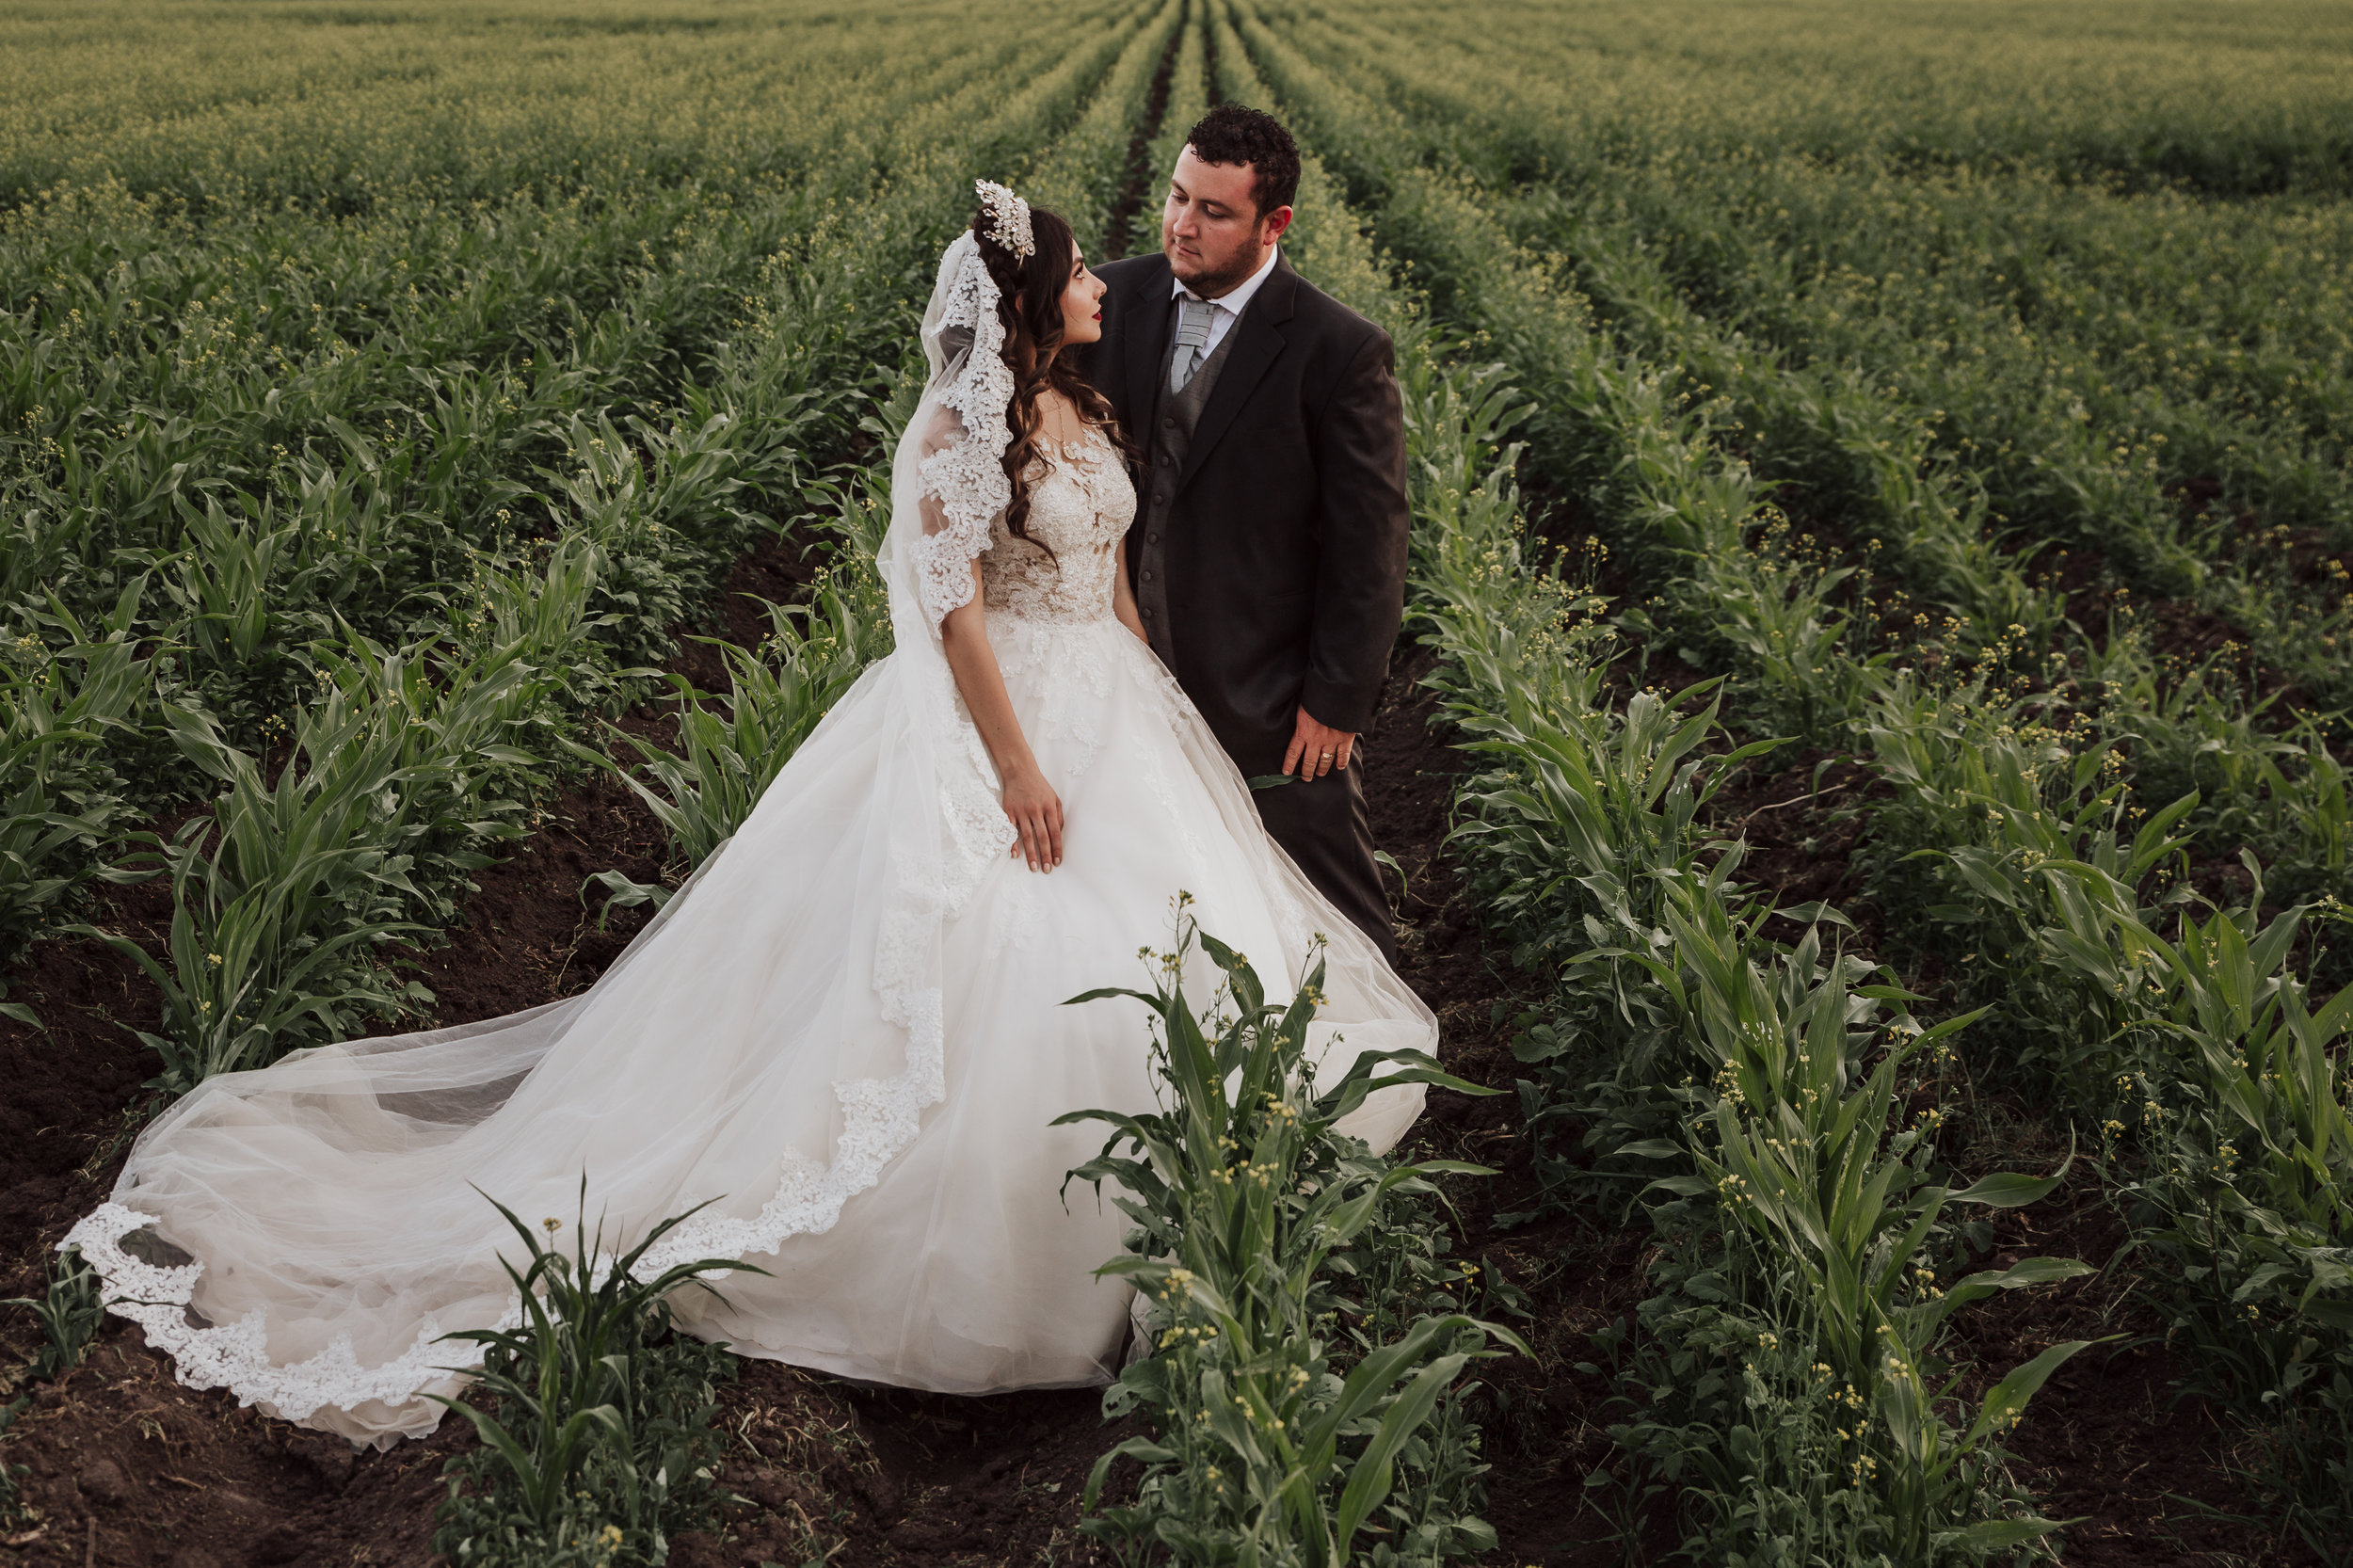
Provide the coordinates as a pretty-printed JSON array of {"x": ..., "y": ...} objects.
[
  {"x": 1148, "y": 346},
  {"x": 1258, "y": 341}
]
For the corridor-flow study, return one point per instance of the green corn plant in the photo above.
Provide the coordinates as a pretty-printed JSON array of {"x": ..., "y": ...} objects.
[
  {"x": 2194, "y": 728},
  {"x": 1458, "y": 423},
  {"x": 1269, "y": 1449},
  {"x": 71, "y": 1313},
  {"x": 777, "y": 694},
  {"x": 2264, "y": 774},
  {"x": 281, "y": 895},
  {"x": 660, "y": 506},
  {"x": 60, "y": 801},
  {"x": 2311, "y": 831},
  {"x": 2278, "y": 1139},
  {"x": 1577, "y": 838},
  {"x": 1809, "y": 1154},
  {"x": 2245, "y": 1180},
  {"x": 454, "y": 710},
  {"x": 1585, "y": 835},
  {"x": 1991, "y": 807},
  {"x": 277, "y": 896},
  {"x": 1802, "y": 663},
  {"x": 580, "y": 1392},
  {"x": 2320, "y": 811},
  {"x": 226, "y": 577},
  {"x": 1593, "y": 814}
]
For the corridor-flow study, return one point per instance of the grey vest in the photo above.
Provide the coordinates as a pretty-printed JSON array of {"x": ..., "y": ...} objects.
[{"x": 1172, "y": 422}]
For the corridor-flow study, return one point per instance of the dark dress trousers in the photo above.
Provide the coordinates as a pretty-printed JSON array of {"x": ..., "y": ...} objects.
[{"x": 1268, "y": 551}]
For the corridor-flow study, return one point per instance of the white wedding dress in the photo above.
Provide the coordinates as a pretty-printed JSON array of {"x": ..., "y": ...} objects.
[{"x": 846, "y": 1028}]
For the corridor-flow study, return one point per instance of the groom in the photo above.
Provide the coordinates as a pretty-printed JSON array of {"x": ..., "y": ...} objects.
[{"x": 1268, "y": 553}]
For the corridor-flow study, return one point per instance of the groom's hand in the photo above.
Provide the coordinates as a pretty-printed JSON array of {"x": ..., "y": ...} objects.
[{"x": 1316, "y": 749}]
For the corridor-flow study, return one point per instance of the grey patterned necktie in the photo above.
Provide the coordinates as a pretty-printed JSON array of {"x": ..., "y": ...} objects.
[{"x": 1192, "y": 339}]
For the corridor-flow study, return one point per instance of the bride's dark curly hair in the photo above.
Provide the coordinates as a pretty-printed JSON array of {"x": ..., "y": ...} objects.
[{"x": 1028, "y": 303}]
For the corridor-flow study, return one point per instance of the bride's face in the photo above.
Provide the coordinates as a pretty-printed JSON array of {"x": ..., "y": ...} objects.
[{"x": 1081, "y": 303}]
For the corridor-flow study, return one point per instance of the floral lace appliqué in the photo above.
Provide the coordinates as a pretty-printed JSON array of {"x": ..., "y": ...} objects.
[{"x": 1080, "y": 505}]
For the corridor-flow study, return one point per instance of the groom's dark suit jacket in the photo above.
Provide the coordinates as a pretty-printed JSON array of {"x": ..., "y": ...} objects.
[
  {"x": 1283, "y": 543},
  {"x": 1285, "y": 554}
]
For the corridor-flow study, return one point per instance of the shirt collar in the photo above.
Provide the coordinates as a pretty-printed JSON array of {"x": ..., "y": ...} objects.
[{"x": 1240, "y": 296}]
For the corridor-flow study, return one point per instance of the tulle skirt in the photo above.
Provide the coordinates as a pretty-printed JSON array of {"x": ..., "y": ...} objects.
[{"x": 304, "y": 1235}]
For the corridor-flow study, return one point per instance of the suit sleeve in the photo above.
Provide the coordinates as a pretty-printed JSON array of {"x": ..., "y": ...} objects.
[{"x": 1360, "y": 581}]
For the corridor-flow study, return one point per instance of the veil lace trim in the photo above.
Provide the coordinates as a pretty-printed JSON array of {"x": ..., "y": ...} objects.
[
  {"x": 966, "y": 477},
  {"x": 235, "y": 1356}
]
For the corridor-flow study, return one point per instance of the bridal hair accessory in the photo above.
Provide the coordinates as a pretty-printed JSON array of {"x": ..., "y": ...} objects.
[{"x": 1008, "y": 218}]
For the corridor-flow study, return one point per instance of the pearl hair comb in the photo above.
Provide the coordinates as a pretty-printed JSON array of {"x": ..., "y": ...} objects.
[{"x": 1008, "y": 218}]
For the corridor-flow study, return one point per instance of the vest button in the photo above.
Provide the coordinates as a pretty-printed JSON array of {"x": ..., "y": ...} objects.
[
  {"x": 1168, "y": 424},
  {"x": 1148, "y": 577},
  {"x": 1161, "y": 499},
  {"x": 1151, "y": 539}
]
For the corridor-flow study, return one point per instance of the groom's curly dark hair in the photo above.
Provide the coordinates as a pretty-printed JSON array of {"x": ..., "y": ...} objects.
[{"x": 1231, "y": 134}]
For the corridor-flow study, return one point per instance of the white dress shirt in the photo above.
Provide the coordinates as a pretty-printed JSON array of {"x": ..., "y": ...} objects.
[{"x": 1229, "y": 306}]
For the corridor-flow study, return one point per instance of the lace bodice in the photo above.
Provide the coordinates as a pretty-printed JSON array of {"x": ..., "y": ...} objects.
[{"x": 1080, "y": 505}]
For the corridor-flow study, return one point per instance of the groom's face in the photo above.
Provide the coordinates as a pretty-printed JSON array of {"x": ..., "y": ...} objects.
[{"x": 1211, "y": 230}]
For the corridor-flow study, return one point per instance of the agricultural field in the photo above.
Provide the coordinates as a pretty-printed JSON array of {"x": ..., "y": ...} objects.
[{"x": 1868, "y": 765}]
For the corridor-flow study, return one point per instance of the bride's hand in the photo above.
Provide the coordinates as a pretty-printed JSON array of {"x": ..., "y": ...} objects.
[{"x": 1035, "y": 812}]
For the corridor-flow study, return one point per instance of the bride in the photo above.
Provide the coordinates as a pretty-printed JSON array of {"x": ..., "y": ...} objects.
[{"x": 846, "y": 1027}]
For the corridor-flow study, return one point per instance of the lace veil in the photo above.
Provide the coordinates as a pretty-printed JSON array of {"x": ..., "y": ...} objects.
[{"x": 948, "y": 487}]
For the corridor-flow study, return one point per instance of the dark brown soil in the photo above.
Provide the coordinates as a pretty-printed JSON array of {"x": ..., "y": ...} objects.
[
  {"x": 1801, "y": 815},
  {"x": 128, "y": 1468},
  {"x": 2108, "y": 1440},
  {"x": 1119, "y": 229},
  {"x": 880, "y": 1478},
  {"x": 778, "y": 571},
  {"x": 1541, "y": 1420}
]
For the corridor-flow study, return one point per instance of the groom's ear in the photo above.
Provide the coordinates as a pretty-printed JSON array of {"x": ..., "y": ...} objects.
[{"x": 1271, "y": 227}]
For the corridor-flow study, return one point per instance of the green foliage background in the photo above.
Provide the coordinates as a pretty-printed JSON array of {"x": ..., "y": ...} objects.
[{"x": 1965, "y": 391}]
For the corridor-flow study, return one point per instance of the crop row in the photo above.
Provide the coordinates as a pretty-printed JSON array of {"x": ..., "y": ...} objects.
[
  {"x": 1793, "y": 1347},
  {"x": 2191, "y": 1057},
  {"x": 1927, "y": 584},
  {"x": 2155, "y": 384},
  {"x": 347, "y": 114}
]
